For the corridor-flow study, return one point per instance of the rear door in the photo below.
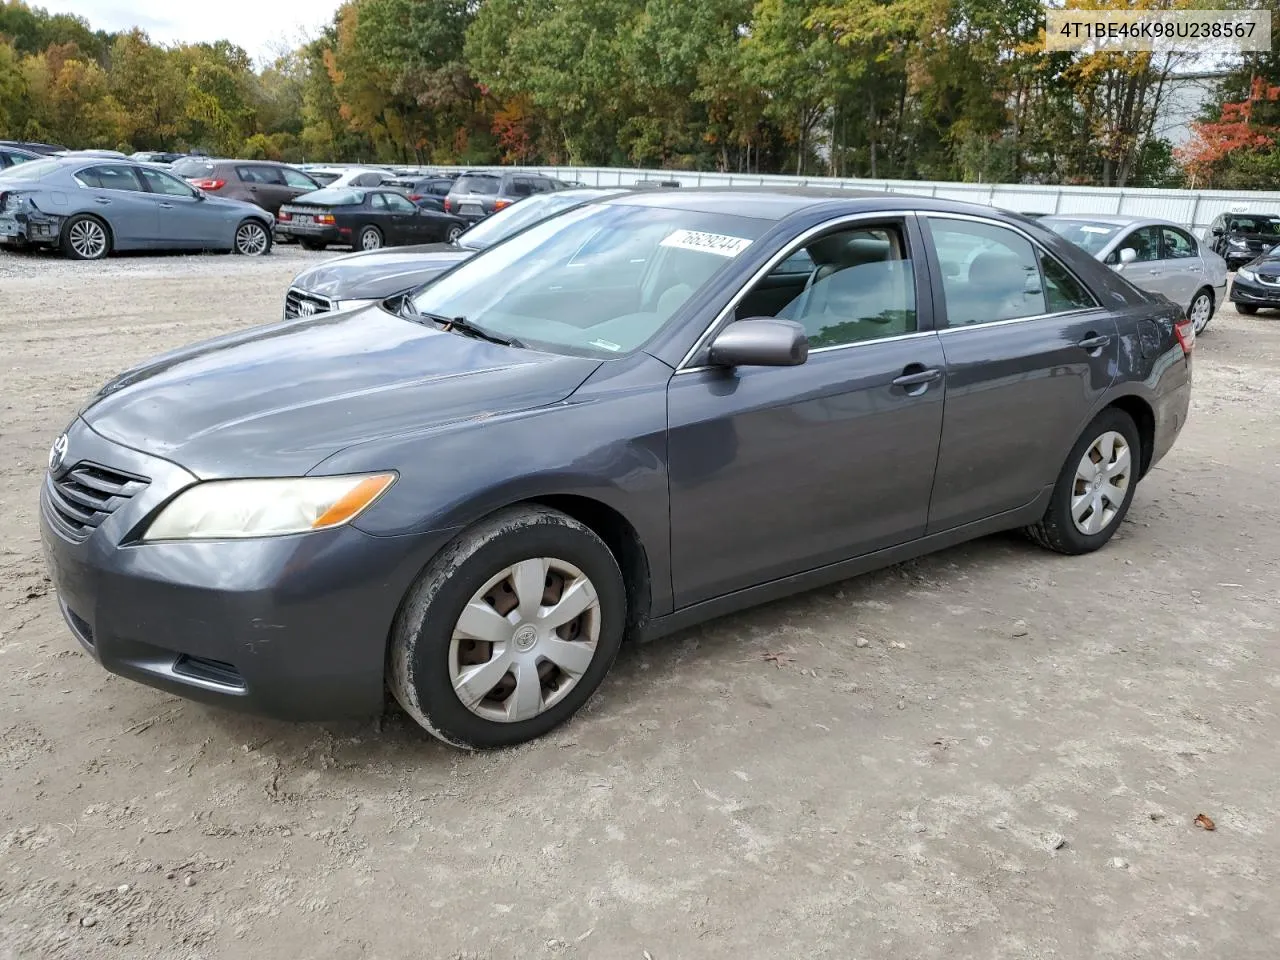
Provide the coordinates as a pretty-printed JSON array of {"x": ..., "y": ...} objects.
[
  {"x": 117, "y": 195},
  {"x": 1184, "y": 271},
  {"x": 1029, "y": 356}
]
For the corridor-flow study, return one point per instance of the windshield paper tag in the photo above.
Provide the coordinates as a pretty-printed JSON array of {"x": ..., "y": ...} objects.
[
  {"x": 717, "y": 243},
  {"x": 1097, "y": 230}
]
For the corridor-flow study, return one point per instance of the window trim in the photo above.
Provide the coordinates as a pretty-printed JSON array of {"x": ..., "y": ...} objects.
[
  {"x": 141, "y": 184},
  {"x": 788, "y": 250}
]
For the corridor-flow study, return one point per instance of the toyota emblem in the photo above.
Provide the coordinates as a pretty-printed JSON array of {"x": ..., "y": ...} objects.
[
  {"x": 306, "y": 309},
  {"x": 57, "y": 453}
]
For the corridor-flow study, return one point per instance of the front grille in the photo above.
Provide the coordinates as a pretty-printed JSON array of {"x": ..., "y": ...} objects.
[
  {"x": 87, "y": 494},
  {"x": 300, "y": 304},
  {"x": 1269, "y": 279}
]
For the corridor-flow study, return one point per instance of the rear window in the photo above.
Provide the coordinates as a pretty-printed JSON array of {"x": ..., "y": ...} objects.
[
  {"x": 193, "y": 168},
  {"x": 333, "y": 198},
  {"x": 483, "y": 185}
]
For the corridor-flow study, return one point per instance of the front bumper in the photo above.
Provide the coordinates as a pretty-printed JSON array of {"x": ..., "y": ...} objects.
[
  {"x": 1254, "y": 292},
  {"x": 293, "y": 627}
]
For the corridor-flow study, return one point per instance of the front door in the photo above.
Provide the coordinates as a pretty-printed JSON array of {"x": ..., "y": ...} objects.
[
  {"x": 778, "y": 470},
  {"x": 405, "y": 226},
  {"x": 1029, "y": 355},
  {"x": 185, "y": 220}
]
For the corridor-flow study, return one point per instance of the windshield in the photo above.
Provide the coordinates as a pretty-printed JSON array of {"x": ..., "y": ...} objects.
[
  {"x": 32, "y": 170},
  {"x": 333, "y": 198},
  {"x": 516, "y": 217},
  {"x": 485, "y": 185},
  {"x": 1269, "y": 226},
  {"x": 596, "y": 281},
  {"x": 1089, "y": 235}
]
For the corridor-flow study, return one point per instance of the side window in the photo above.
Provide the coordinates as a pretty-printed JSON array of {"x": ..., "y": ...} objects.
[
  {"x": 989, "y": 272},
  {"x": 521, "y": 187},
  {"x": 860, "y": 286},
  {"x": 159, "y": 182},
  {"x": 396, "y": 203},
  {"x": 1177, "y": 245},
  {"x": 441, "y": 188},
  {"x": 296, "y": 178},
  {"x": 1062, "y": 290},
  {"x": 249, "y": 175},
  {"x": 110, "y": 178},
  {"x": 1145, "y": 242},
  {"x": 367, "y": 180}
]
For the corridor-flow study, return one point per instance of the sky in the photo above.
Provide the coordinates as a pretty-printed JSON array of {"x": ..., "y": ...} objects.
[{"x": 260, "y": 26}]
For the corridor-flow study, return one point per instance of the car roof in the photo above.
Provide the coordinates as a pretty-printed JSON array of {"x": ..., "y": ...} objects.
[{"x": 1115, "y": 220}]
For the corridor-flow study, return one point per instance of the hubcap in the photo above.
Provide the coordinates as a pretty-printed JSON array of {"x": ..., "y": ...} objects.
[
  {"x": 370, "y": 240},
  {"x": 1102, "y": 479},
  {"x": 454, "y": 234},
  {"x": 1200, "y": 312},
  {"x": 524, "y": 640},
  {"x": 88, "y": 239},
  {"x": 251, "y": 239}
]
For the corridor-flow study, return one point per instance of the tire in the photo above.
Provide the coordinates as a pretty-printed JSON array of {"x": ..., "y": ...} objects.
[
  {"x": 428, "y": 654},
  {"x": 1248, "y": 309},
  {"x": 252, "y": 239},
  {"x": 1202, "y": 306},
  {"x": 85, "y": 237},
  {"x": 370, "y": 239},
  {"x": 313, "y": 245},
  {"x": 1057, "y": 529},
  {"x": 454, "y": 233}
]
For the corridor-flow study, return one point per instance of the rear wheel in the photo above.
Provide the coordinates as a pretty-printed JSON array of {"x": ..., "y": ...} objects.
[
  {"x": 1201, "y": 310},
  {"x": 313, "y": 245},
  {"x": 1247, "y": 309},
  {"x": 370, "y": 239},
  {"x": 252, "y": 239},
  {"x": 454, "y": 233},
  {"x": 1095, "y": 487},
  {"x": 85, "y": 237},
  {"x": 509, "y": 630}
]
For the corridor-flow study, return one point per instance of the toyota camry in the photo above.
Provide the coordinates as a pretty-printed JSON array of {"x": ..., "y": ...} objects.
[{"x": 646, "y": 412}]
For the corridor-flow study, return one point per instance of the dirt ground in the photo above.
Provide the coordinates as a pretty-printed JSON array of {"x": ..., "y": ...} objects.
[{"x": 990, "y": 753}]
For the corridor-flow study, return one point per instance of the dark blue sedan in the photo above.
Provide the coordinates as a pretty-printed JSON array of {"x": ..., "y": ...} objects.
[{"x": 648, "y": 411}]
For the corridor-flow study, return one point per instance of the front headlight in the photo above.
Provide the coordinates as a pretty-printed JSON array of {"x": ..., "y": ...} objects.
[
  {"x": 222, "y": 509},
  {"x": 1237, "y": 243},
  {"x": 1243, "y": 274}
]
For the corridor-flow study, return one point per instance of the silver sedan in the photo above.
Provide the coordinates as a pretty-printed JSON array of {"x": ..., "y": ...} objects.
[{"x": 1155, "y": 255}]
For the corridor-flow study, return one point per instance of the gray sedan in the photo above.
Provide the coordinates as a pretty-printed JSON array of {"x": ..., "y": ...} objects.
[
  {"x": 1156, "y": 255},
  {"x": 645, "y": 412},
  {"x": 91, "y": 206}
]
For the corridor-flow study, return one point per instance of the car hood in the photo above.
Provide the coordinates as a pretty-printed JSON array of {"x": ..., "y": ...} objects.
[
  {"x": 276, "y": 400},
  {"x": 379, "y": 273},
  {"x": 243, "y": 206}
]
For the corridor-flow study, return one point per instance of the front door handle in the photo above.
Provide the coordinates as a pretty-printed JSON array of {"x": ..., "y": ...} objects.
[
  {"x": 1093, "y": 342},
  {"x": 102, "y": 200},
  {"x": 166, "y": 206},
  {"x": 917, "y": 375}
]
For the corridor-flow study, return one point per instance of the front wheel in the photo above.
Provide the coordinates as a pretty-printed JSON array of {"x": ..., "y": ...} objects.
[
  {"x": 370, "y": 239},
  {"x": 1095, "y": 488},
  {"x": 252, "y": 239},
  {"x": 1247, "y": 309},
  {"x": 508, "y": 631},
  {"x": 1201, "y": 310}
]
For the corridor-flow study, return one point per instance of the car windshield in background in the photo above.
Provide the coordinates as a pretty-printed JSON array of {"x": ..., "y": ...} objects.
[
  {"x": 1090, "y": 235},
  {"x": 193, "y": 168},
  {"x": 598, "y": 281},
  {"x": 32, "y": 170},
  {"x": 1268, "y": 226},
  {"x": 485, "y": 185},
  {"x": 333, "y": 198},
  {"x": 515, "y": 218}
]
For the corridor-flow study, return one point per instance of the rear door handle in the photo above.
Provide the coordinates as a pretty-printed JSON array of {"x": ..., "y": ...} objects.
[
  {"x": 166, "y": 206},
  {"x": 102, "y": 200},
  {"x": 1093, "y": 343},
  {"x": 917, "y": 378}
]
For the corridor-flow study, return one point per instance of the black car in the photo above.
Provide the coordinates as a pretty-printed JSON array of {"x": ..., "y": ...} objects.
[
  {"x": 620, "y": 422},
  {"x": 360, "y": 279},
  {"x": 476, "y": 195},
  {"x": 1257, "y": 284},
  {"x": 12, "y": 156},
  {"x": 1240, "y": 237},
  {"x": 363, "y": 219}
]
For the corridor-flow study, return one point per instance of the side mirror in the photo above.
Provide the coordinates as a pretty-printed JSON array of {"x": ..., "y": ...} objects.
[
  {"x": 1128, "y": 255},
  {"x": 760, "y": 342}
]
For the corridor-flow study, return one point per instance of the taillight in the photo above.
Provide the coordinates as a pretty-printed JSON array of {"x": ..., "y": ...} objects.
[
  {"x": 448, "y": 205},
  {"x": 1185, "y": 331},
  {"x": 284, "y": 215},
  {"x": 415, "y": 197},
  {"x": 325, "y": 218},
  {"x": 208, "y": 183},
  {"x": 500, "y": 205}
]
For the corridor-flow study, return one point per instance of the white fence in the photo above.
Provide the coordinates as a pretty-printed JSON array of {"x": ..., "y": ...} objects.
[{"x": 1193, "y": 208}]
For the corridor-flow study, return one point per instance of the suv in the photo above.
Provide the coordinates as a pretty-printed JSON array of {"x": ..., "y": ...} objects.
[
  {"x": 1241, "y": 237},
  {"x": 476, "y": 195},
  {"x": 267, "y": 184}
]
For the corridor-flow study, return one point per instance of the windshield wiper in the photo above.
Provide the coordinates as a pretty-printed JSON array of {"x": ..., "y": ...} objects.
[{"x": 461, "y": 324}]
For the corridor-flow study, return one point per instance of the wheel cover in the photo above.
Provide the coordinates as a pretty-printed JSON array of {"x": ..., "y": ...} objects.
[
  {"x": 88, "y": 239},
  {"x": 1200, "y": 311},
  {"x": 1101, "y": 482},
  {"x": 251, "y": 239},
  {"x": 454, "y": 234},
  {"x": 524, "y": 640},
  {"x": 369, "y": 240}
]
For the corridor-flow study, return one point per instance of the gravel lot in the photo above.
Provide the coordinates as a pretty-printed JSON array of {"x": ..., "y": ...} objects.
[{"x": 989, "y": 753}]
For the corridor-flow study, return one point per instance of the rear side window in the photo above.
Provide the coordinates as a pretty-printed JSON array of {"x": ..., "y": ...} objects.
[
  {"x": 989, "y": 272},
  {"x": 521, "y": 187},
  {"x": 393, "y": 202},
  {"x": 193, "y": 168},
  {"x": 260, "y": 175},
  {"x": 488, "y": 186},
  {"x": 367, "y": 180},
  {"x": 441, "y": 188},
  {"x": 109, "y": 178},
  {"x": 1063, "y": 291},
  {"x": 1177, "y": 245}
]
